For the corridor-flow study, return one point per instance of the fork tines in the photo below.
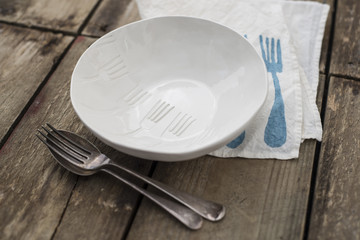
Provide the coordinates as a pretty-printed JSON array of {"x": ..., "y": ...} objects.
[{"x": 61, "y": 144}]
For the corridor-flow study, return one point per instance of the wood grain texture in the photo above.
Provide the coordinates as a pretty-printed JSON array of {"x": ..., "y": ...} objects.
[
  {"x": 336, "y": 208},
  {"x": 345, "y": 54},
  {"x": 265, "y": 199},
  {"x": 26, "y": 58},
  {"x": 65, "y": 15},
  {"x": 110, "y": 15},
  {"x": 100, "y": 205},
  {"x": 34, "y": 190}
]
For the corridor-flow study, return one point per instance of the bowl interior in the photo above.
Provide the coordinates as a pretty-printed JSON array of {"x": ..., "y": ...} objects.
[{"x": 173, "y": 87}]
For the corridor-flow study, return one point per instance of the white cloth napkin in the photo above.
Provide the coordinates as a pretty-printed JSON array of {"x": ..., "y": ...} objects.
[{"x": 288, "y": 35}]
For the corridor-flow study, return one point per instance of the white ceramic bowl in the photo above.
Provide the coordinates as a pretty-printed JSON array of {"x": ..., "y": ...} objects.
[{"x": 169, "y": 88}]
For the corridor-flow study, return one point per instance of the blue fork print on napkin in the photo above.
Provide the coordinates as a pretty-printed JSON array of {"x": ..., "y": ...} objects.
[{"x": 275, "y": 131}]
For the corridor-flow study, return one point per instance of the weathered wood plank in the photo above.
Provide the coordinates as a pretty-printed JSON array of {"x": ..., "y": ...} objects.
[
  {"x": 26, "y": 58},
  {"x": 66, "y": 15},
  {"x": 101, "y": 206},
  {"x": 265, "y": 199},
  {"x": 336, "y": 208},
  {"x": 34, "y": 190},
  {"x": 110, "y": 15},
  {"x": 345, "y": 54},
  {"x": 262, "y": 197}
]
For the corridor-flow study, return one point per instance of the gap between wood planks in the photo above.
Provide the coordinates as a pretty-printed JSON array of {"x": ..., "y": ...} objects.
[
  {"x": 43, "y": 83},
  {"x": 64, "y": 210},
  {"x": 317, "y": 151},
  {"x": 53, "y": 68},
  {"x": 42, "y": 29},
  {"x": 32, "y": 98},
  {"x": 138, "y": 204},
  {"x": 87, "y": 19},
  {"x": 322, "y": 116}
]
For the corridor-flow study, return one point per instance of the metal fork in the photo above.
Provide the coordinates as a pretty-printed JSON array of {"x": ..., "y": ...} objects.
[{"x": 83, "y": 158}]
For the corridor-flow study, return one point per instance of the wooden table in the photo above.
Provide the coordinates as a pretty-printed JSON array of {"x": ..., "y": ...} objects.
[{"x": 316, "y": 196}]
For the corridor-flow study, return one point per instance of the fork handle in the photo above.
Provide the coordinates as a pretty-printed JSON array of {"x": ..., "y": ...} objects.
[
  {"x": 209, "y": 210},
  {"x": 182, "y": 213}
]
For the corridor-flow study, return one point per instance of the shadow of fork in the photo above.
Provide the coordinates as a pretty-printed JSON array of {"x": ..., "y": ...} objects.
[{"x": 275, "y": 131}]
